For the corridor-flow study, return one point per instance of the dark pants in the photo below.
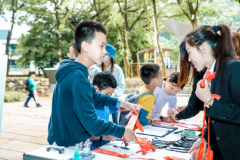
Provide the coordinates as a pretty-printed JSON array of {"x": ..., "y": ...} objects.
[
  {"x": 114, "y": 117},
  {"x": 30, "y": 95}
]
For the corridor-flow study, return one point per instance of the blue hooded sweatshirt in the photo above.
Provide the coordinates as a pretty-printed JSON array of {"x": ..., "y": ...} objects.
[{"x": 74, "y": 117}]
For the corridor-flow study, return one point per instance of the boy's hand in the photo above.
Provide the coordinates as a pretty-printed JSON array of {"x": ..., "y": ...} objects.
[
  {"x": 109, "y": 138},
  {"x": 126, "y": 106},
  {"x": 156, "y": 121},
  {"x": 129, "y": 134}
]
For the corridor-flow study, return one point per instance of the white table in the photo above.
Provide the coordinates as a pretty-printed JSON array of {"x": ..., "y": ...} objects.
[{"x": 158, "y": 154}]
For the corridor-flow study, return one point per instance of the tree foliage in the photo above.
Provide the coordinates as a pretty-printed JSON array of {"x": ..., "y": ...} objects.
[{"x": 129, "y": 24}]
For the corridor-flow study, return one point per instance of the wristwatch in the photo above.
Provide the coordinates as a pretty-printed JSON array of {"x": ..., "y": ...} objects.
[
  {"x": 209, "y": 102},
  {"x": 150, "y": 122}
]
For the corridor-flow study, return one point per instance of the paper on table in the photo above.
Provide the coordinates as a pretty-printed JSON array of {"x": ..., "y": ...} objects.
[{"x": 155, "y": 131}]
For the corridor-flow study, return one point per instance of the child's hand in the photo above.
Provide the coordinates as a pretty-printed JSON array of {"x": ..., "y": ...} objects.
[
  {"x": 129, "y": 134},
  {"x": 109, "y": 138},
  {"x": 126, "y": 106},
  {"x": 156, "y": 121}
]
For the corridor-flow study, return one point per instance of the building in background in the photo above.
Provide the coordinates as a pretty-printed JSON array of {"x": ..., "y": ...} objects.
[{"x": 14, "y": 69}]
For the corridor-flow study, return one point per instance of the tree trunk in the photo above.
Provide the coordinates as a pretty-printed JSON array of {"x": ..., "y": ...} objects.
[
  {"x": 9, "y": 36},
  {"x": 127, "y": 51},
  {"x": 160, "y": 53},
  {"x": 57, "y": 35},
  {"x": 123, "y": 54},
  {"x": 45, "y": 75},
  {"x": 59, "y": 49},
  {"x": 194, "y": 22},
  {"x": 126, "y": 30},
  {"x": 148, "y": 23}
]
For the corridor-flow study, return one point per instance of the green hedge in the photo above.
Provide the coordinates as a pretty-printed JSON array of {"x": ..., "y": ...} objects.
[{"x": 12, "y": 96}]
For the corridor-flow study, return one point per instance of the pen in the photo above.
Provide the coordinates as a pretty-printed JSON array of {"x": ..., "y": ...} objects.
[{"x": 120, "y": 147}]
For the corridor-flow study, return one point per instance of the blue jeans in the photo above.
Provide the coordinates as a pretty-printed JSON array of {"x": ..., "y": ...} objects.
[{"x": 30, "y": 95}]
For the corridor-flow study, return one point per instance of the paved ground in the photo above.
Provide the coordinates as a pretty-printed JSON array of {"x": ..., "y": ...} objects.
[{"x": 25, "y": 129}]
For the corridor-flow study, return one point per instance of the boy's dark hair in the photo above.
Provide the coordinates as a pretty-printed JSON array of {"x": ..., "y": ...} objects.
[
  {"x": 173, "y": 78},
  {"x": 85, "y": 31},
  {"x": 30, "y": 73},
  {"x": 104, "y": 80},
  {"x": 148, "y": 72}
]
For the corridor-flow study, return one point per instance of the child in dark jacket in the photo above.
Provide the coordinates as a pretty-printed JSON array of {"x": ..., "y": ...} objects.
[{"x": 74, "y": 118}]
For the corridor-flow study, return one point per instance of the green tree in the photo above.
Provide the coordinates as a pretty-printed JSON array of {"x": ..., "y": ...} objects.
[
  {"x": 39, "y": 45},
  {"x": 14, "y": 7},
  {"x": 229, "y": 14},
  {"x": 193, "y": 10},
  {"x": 132, "y": 12},
  {"x": 51, "y": 32}
]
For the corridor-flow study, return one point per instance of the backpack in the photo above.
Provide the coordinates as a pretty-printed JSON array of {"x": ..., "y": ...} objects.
[
  {"x": 132, "y": 98},
  {"x": 27, "y": 85}
]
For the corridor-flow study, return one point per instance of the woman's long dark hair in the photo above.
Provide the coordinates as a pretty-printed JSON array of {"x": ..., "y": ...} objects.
[
  {"x": 112, "y": 64},
  {"x": 220, "y": 43}
]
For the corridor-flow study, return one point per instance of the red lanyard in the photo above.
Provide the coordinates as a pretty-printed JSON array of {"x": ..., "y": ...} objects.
[{"x": 209, "y": 154}]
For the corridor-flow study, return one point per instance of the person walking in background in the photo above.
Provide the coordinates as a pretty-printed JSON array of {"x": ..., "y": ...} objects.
[
  {"x": 32, "y": 90},
  {"x": 110, "y": 66}
]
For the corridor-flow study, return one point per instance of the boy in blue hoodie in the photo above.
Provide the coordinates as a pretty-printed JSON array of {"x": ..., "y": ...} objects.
[
  {"x": 105, "y": 83},
  {"x": 74, "y": 119}
]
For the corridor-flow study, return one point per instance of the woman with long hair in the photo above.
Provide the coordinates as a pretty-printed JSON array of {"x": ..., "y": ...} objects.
[
  {"x": 211, "y": 48},
  {"x": 194, "y": 104}
]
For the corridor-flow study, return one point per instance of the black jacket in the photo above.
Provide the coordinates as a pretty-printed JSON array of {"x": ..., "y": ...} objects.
[
  {"x": 225, "y": 113},
  {"x": 194, "y": 104}
]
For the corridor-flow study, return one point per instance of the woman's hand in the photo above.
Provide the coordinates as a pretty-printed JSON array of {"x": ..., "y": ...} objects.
[
  {"x": 203, "y": 94},
  {"x": 195, "y": 147},
  {"x": 172, "y": 113},
  {"x": 181, "y": 108}
]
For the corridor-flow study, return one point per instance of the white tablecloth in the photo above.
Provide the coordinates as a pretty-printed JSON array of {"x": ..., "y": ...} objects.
[{"x": 158, "y": 154}]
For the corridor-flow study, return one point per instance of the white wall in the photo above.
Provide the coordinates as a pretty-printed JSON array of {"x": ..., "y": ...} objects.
[{"x": 3, "y": 70}]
